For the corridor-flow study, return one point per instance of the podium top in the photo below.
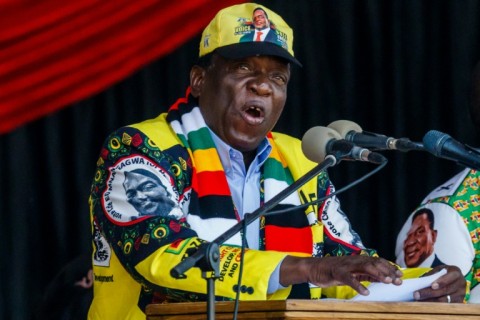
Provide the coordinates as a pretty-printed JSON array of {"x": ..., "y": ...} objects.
[{"x": 319, "y": 309}]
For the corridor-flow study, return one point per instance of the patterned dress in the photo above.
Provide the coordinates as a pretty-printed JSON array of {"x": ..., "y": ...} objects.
[{"x": 456, "y": 208}]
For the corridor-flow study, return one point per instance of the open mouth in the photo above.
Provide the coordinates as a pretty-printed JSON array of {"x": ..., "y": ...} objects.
[{"x": 253, "y": 115}]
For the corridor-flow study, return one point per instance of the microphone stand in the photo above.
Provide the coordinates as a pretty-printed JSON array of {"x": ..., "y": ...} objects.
[{"x": 207, "y": 256}]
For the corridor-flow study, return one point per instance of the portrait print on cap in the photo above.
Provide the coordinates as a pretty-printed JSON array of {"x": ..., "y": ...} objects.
[
  {"x": 433, "y": 235},
  {"x": 146, "y": 187},
  {"x": 248, "y": 30},
  {"x": 260, "y": 28}
]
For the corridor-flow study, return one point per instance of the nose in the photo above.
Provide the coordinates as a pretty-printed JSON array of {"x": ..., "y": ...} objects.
[
  {"x": 141, "y": 196},
  {"x": 260, "y": 85},
  {"x": 410, "y": 240}
]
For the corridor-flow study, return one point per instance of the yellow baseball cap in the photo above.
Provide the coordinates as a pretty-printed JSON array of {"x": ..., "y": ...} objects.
[{"x": 246, "y": 30}]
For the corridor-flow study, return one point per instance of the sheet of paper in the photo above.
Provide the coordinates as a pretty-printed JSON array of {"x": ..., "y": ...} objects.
[{"x": 403, "y": 292}]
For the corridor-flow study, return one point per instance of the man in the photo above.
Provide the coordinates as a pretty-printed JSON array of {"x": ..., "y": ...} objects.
[
  {"x": 216, "y": 149},
  {"x": 259, "y": 28},
  {"x": 419, "y": 243},
  {"x": 455, "y": 205}
]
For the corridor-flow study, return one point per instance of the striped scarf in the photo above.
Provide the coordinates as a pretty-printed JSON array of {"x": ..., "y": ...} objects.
[{"x": 211, "y": 210}]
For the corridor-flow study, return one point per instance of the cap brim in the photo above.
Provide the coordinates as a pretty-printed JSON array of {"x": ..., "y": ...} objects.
[{"x": 251, "y": 49}]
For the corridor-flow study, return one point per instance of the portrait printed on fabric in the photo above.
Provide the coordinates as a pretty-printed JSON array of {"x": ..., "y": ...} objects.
[
  {"x": 260, "y": 28},
  {"x": 137, "y": 188},
  {"x": 434, "y": 234}
]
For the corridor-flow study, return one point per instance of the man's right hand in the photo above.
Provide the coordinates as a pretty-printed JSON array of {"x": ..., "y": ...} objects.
[{"x": 334, "y": 271}]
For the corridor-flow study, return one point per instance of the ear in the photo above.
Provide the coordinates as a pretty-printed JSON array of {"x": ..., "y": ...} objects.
[{"x": 197, "y": 77}]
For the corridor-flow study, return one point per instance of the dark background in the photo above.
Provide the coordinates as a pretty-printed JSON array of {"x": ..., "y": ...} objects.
[{"x": 394, "y": 67}]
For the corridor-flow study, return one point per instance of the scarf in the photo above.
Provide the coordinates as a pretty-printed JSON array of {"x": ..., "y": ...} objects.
[{"x": 212, "y": 211}]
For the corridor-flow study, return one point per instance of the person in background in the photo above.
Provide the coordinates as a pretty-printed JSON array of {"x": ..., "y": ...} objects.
[
  {"x": 215, "y": 152},
  {"x": 69, "y": 295},
  {"x": 454, "y": 205}
]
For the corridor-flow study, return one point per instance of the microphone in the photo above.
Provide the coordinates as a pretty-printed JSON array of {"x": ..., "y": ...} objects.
[
  {"x": 352, "y": 132},
  {"x": 318, "y": 142},
  {"x": 444, "y": 146}
]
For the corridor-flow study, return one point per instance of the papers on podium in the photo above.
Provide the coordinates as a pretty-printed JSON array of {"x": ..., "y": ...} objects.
[{"x": 403, "y": 292}]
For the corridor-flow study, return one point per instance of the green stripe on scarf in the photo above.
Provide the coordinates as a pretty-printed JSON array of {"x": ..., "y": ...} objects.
[
  {"x": 274, "y": 169},
  {"x": 200, "y": 139}
]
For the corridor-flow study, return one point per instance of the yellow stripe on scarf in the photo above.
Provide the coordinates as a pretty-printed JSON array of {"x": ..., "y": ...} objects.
[{"x": 209, "y": 160}]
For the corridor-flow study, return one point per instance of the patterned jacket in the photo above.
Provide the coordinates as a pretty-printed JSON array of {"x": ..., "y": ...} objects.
[{"x": 172, "y": 159}]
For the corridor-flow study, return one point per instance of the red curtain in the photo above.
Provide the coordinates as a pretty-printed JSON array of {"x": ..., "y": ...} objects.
[{"x": 56, "y": 52}]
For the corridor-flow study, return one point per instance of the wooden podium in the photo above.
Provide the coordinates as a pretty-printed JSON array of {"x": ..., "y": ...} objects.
[{"x": 317, "y": 309}]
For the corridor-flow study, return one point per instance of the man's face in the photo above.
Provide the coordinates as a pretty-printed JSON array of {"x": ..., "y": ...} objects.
[
  {"x": 146, "y": 195},
  {"x": 260, "y": 20},
  {"x": 241, "y": 100},
  {"x": 419, "y": 242}
]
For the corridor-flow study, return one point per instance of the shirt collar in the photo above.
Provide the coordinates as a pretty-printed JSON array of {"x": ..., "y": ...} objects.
[{"x": 228, "y": 154}]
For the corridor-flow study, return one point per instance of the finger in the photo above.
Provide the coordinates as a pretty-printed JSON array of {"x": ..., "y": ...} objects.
[
  {"x": 433, "y": 292},
  {"x": 392, "y": 270},
  {"x": 429, "y": 295},
  {"x": 453, "y": 279},
  {"x": 381, "y": 270},
  {"x": 457, "y": 297},
  {"x": 357, "y": 286}
]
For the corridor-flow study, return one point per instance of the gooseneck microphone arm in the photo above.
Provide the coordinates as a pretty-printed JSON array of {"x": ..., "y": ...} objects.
[{"x": 207, "y": 257}]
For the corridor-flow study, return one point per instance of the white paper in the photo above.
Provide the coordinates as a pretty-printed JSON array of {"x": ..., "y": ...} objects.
[{"x": 403, "y": 292}]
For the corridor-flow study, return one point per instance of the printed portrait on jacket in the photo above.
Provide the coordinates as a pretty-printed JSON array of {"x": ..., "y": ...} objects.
[{"x": 147, "y": 188}]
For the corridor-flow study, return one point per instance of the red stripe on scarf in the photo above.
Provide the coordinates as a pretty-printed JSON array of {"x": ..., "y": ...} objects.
[
  {"x": 288, "y": 239},
  {"x": 210, "y": 183}
]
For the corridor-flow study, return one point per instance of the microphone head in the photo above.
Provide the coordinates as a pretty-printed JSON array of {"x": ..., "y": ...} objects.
[
  {"x": 315, "y": 140},
  {"x": 344, "y": 126},
  {"x": 433, "y": 141}
]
